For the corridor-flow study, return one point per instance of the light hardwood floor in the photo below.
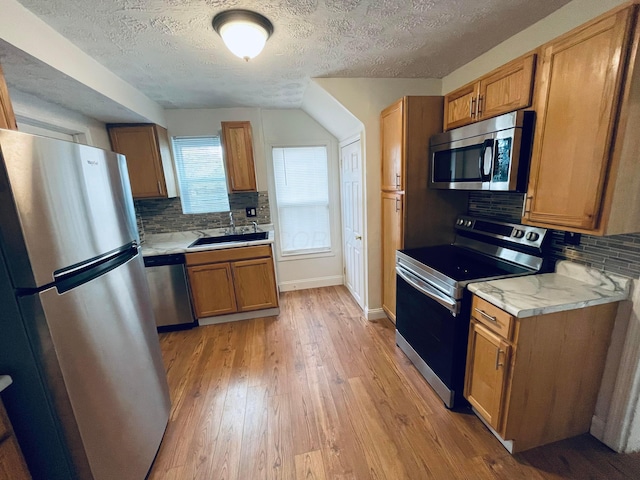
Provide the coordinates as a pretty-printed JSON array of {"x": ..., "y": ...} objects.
[{"x": 320, "y": 393}]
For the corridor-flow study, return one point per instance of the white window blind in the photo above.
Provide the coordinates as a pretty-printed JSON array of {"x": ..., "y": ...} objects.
[
  {"x": 302, "y": 198},
  {"x": 201, "y": 176}
]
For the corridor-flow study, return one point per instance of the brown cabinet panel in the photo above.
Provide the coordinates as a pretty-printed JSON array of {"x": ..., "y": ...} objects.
[
  {"x": 238, "y": 153},
  {"x": 460, "y": 106},
  {"x": 584, "y": 170},
  {"x": 255, "y": 285},
  {"x": 392, "y": 146},
  {"x": 12, "y": 464},
  {"x": 392, "y": 240},
  {"x": 212, "y": 289},
  {"x": 7, "y": 117},
  {"x": 507, "y": 89},
  {"x": 486, "y": 379},
  {"x": 144, "y": 147},
  {"x": 228, "y": 254},
  {"x": 503, "y": 90}
]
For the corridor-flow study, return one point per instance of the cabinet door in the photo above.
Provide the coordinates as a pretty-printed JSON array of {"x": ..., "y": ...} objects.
[
  {"x": 485, "y": 381},
  {"x": 238, "y": 154},
  {"x": 392, "y": 235},
  {"x": 7, "y": 117},
  {"x": 12, "y": 465},
  {"x": 255, "y": 284},
  {"x": 212, "y": 289},
  {"x": 577, "y": 97},
  {"x": 460, "y": 106},
  {"x": 140, "y": 145},
  {"x": 392, "y": 145},
  {"x": 507, "y": 89}
]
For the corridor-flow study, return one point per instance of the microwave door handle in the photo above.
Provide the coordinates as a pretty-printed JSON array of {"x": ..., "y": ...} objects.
[{"x": 487, "y": 149}]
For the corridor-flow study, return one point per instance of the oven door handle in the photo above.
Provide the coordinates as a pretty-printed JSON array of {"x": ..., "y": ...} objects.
[{"x": 426, "y": 289}]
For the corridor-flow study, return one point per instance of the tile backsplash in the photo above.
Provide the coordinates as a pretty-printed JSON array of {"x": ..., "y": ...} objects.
[
  {"x": 165, "y": 215},
  {"x": 616, "y": 253}
]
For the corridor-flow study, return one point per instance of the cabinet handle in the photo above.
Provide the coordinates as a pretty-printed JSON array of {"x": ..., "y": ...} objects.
[
  {"x": 479, "y": 111},
  {"x": 527, "y": 203},
  {"x": 472, "y": 107},
  {"x": 486, "y": 315},
  {"x": 498, "y": 364},
  {"x": 397, "y": 207},
  {"x": 397, "y": 180}
]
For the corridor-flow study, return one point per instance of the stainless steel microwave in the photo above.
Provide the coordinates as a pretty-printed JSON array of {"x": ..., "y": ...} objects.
[{"x": 492, "y": 154}]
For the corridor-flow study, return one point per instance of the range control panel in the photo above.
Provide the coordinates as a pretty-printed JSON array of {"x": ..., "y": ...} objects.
[{"x": 511, "y": 232}]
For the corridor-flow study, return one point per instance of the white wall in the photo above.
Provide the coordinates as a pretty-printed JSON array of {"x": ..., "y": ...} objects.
[
  {"x": 35, "y": 111},
  {"x": 296, "y": 128},
  {"x": 365, "y": 98}
]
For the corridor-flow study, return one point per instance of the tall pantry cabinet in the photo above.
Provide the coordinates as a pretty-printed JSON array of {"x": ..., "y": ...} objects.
[{"x": 412, "y": 214}]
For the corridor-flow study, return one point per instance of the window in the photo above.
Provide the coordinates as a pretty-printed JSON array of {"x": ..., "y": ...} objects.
[
  {"x": 302, "y": 199},
  {"x": 203, "y": 184}
]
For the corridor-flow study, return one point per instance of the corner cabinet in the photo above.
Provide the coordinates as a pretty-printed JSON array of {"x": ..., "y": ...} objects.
[
  {"x": 506, "y": 89},
  {"x": 412, "y": 214},
  {"x": 585, "y": 174},
  {"x": 237, "y": 142},
  {"x": 7, "y": 117},
  {"x": 146, "y": 147},
  {"x": 521, "y": 376},
  {"x": 232, "y": 280}
]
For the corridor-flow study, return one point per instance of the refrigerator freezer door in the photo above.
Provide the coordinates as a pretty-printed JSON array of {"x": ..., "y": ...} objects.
[
  {"x": 62, "y": 203},
  {"x": 103, "y": 365}
]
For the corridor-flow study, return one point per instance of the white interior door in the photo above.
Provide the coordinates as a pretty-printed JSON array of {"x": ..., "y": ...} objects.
[{"x": 352, "y": 219}]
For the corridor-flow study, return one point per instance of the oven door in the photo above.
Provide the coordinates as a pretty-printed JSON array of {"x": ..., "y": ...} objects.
[
  {"x": 463, "y": 164},
  {"x": 432, "y": 330}
]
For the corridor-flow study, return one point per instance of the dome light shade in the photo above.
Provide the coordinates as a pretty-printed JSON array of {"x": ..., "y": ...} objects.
[{"x": 245, "y": 33}]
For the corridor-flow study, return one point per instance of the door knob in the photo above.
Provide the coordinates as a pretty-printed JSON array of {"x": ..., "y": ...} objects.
[{"x": 358, "y": 237}]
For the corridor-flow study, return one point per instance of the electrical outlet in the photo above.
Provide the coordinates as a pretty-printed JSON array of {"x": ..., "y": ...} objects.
[
  {"x": 251, "y": 212},
  {"x": 571, "y": 238}
]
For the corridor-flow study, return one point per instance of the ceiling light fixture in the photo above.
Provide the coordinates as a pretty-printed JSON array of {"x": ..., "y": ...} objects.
[{"x": 244, "y": 32}]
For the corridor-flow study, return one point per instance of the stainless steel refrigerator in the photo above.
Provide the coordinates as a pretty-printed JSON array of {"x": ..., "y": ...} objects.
[{"x": 89, "y": 397}]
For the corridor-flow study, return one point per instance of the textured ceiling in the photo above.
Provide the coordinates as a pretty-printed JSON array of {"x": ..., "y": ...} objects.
[{"x": 168, "y": 50}]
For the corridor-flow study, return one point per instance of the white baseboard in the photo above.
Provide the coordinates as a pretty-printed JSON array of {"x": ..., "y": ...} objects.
[
  {"x": 374, "y": 314},
  {"x": 234, "y": 317},
  {"x": 311, "y": 283},
  {"x": 597, "y": 427}
]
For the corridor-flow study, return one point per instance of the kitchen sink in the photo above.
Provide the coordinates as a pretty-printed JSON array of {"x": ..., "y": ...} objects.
[{"x": 243, "y": 237}]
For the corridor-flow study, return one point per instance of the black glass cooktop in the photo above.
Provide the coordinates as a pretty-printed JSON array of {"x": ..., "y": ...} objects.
[{"x": 462, "y": 265}]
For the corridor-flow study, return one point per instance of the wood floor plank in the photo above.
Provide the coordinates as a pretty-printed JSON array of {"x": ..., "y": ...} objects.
[{"x": 320, "y": 393}]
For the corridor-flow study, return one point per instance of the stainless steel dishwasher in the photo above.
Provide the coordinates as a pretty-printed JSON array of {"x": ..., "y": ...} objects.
[{"x": 169, "y": 290}]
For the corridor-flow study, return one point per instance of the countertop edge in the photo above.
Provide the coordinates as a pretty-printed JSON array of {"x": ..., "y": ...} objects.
[{"x": 181, "y": 243}]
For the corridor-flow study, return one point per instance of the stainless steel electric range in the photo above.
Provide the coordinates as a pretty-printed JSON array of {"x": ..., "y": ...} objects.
[{"x": 432, "y": 304}]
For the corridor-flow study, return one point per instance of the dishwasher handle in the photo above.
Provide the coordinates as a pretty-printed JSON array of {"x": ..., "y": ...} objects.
[{"x": 166, "y": 259}]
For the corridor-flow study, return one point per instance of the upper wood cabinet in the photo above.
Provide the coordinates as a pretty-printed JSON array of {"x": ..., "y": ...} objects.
[
  {"x": 7, "y": 117},
  {"x": 585, "y": 174},
  {"x": 238, "y": 153},
  {"x": 412, "y": 214},
  {"x": 506, "y": 89},
  {"x": 148, "y": 159}
]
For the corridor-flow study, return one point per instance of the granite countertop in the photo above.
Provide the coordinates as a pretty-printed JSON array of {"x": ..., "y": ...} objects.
[
  {"x": 571, "y": 286},
  {"x": 178, "y": 242},
  {"x": 5, "y": 381}
]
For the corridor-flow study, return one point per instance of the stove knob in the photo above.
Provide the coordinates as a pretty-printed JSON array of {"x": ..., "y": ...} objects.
[
  {"x": 460, "y": 221},
  {"x": 532, "y": 236},
  {"x": 518, "y": 233},
  {"x": 467, "y": 223}
]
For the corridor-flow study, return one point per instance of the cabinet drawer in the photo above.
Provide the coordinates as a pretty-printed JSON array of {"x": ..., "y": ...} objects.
[
  {"x": 228, "y": 254},
  {"x": 492, "y": 317}
]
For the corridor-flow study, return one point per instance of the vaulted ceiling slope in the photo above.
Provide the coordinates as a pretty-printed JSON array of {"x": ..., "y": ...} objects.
[{"x": 168, "y": 50}]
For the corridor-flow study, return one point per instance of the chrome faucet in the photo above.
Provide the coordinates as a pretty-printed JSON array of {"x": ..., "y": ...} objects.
[
  {"x": 255, "y": 227},
  {"x": 232, "y": 224}
]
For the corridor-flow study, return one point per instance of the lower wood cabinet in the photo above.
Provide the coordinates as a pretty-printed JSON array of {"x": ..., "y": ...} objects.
[
  {"x": 536, "y": 380},
  {"x": 12, "y": 464},
  {"x": 232, "y": 280}
]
